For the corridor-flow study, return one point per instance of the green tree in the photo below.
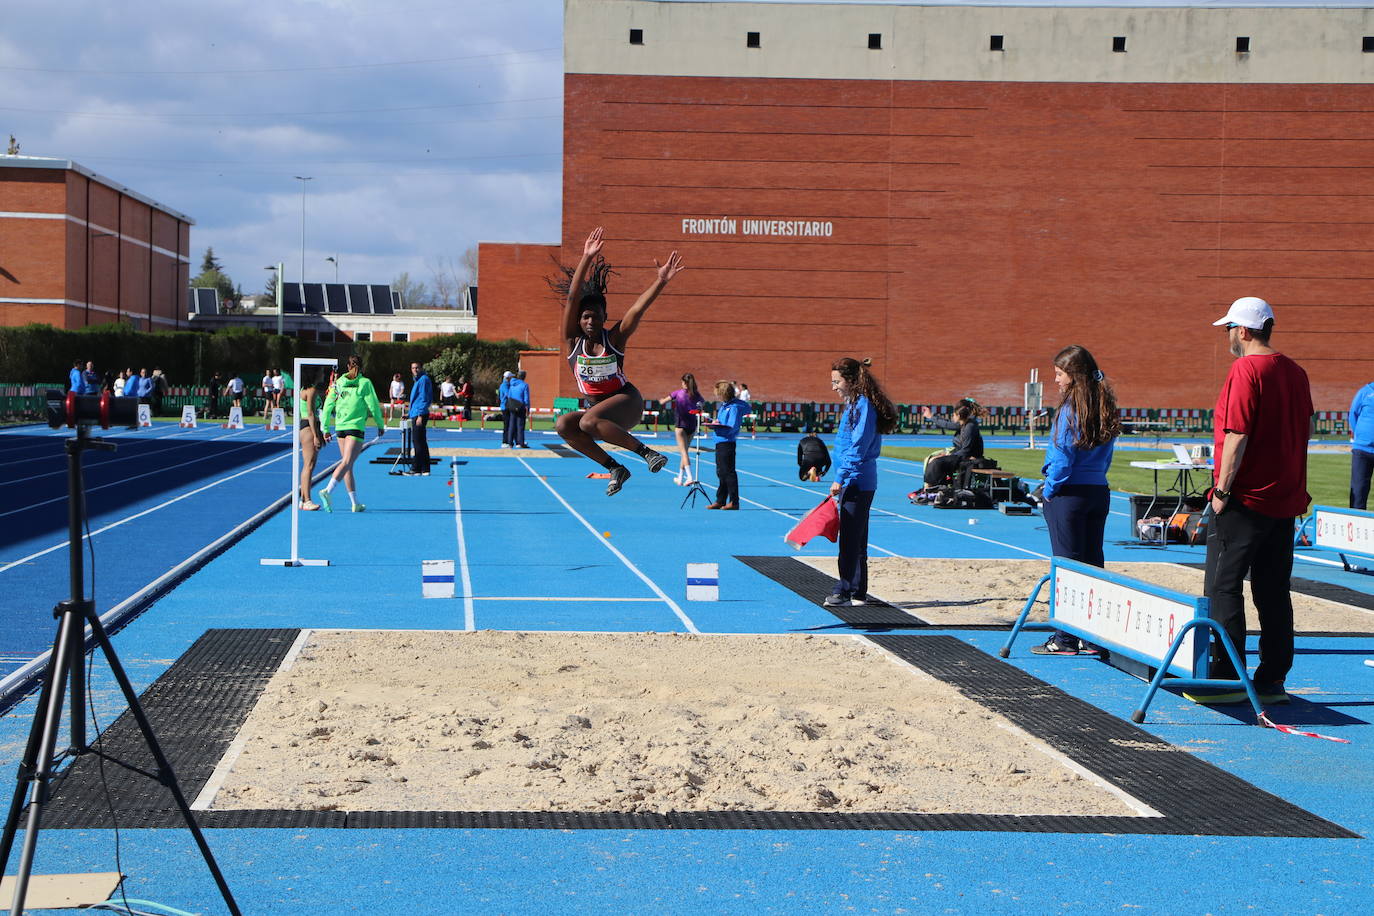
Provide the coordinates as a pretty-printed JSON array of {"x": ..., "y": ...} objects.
[{"x": 212, "y": 276}]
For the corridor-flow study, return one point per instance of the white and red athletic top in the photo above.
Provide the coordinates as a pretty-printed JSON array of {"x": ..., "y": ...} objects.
[{"x": 598, "y": 375}]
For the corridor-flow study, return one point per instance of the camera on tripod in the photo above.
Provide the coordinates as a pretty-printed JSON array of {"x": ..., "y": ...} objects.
[{"x": 73, "y": 410}]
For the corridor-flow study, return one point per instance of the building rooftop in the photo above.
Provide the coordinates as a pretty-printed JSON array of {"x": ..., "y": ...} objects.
[{"x": 45, "y": 162}]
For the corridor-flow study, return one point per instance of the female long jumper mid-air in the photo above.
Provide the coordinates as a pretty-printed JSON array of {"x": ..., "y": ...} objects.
[{"x": 597, "y": 356}]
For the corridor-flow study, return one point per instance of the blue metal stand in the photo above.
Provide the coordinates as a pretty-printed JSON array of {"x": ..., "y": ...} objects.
[
  {"x": 1236, "y": 661},
  {"x": 1021, "y": 624}
]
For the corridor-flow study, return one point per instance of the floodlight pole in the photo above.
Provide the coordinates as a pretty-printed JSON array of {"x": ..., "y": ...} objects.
[
  {"x": 303, "y": 179},
  {"x": 292, "y": 495}
]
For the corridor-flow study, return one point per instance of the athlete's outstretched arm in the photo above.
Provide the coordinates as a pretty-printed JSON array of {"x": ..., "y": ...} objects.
[
  {"x": 590, "y": 249},
  {"x": 627, "y": 325}
]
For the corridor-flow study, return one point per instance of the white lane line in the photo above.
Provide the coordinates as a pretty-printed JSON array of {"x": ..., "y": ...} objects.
[
  {"x": 47, "y": 448},
  {"x": 605, "y": 542},
  {"x": 871, "y": 545},
  {"x": 130, "y": 518},
  {"x": 556, "y": 598},
  {"x": 95, "y": 467},
  {"x": 469, "y": 614},
  {"x": 906, "y": 518},
  {"x": 126, "y": 480}
]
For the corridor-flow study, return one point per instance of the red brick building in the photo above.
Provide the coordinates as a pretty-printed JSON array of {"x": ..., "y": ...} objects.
[
  {"x": 78, "y": 249},
  {"x": 958, "y": 192}
]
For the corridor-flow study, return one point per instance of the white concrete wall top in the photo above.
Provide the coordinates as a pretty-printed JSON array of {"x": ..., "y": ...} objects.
[{"x": 1165, "y": 43}]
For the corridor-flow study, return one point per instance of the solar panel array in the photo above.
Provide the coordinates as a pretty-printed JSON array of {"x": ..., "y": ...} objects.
[
  {"x": 203, "y": 301},
  {"x": 338, "y": 299}
]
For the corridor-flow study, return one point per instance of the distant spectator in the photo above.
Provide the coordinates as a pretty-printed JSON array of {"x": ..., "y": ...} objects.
[
  {"x": 266, "y": 392},
  {"x": 465, "y": 396},
  {"x": 161, "y": 389},
  {"x": 502, "y": 397},
  {"x": 730, "y": 411},
  {"x": 686, "y": 403},
  {"x": 216, "y": 390},
  {"x": 518, "y": 399},
  {"x": 76, "y": 379},
  {"x": 396, "y": 397},
  {"x": 448, "y": 393},
  {"x": 421, "y": 396},
  {"x": 144, "y": 386},
  {"x": 233, "y": 390},
  {"x": 1361, "y": 446},
  {"x": 744, "y": 392},
  {"x": 968, "y": 440},
  {"x": 278, "y": 388},
  {"x": 108, "y": 382},
  {"x": 813, "y": 458},
  {"x": 91, "y": 379},
  {"x": 117, "y": 386}
]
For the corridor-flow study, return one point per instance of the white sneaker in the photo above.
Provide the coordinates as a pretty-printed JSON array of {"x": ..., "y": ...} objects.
[{"x": 680, "y": 480}]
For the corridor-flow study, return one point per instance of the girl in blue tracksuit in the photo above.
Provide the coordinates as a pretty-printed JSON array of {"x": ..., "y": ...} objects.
[
  {"x": 1076, "y": 496},
  {"x": 1361, "y": 446},
  {"x": 868, "y": 414}
]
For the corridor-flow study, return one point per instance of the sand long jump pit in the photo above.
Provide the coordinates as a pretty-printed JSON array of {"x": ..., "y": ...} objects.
[{"x": 286, "y": 728}]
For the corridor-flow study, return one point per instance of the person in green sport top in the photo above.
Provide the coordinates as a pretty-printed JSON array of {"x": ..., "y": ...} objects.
[{"x": 352, "y": 400}]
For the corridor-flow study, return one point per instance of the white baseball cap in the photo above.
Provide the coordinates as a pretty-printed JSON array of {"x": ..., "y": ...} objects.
[
  {"x": 508, "y": 374},
  {"x": 1248, "y": 312}
]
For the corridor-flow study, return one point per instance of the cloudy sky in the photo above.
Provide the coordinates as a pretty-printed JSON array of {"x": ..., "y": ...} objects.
[{"x": 424, "y": 125}]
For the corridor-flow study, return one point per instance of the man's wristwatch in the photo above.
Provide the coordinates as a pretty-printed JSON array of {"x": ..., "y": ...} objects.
[{"x": 1219, "y": 493}]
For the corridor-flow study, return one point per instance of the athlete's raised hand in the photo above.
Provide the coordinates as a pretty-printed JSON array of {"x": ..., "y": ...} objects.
[
  {"x": 592, "y": 247},
  {"x": 669, "y": 269}
]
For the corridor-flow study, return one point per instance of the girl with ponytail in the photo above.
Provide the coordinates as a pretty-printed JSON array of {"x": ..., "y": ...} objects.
[
  {"x": 867, "y": 416},
  {"x": 687, "y": 402},
  {"x": 1076, "y": 497}
]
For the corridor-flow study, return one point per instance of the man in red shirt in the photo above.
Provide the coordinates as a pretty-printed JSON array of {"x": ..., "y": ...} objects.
[{"x": 1262, "y": 422}]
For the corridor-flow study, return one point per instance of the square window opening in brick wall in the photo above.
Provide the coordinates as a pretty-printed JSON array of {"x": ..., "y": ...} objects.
[
  {"x": 1242, "y": 44},
  {"x": 1368, "y": 44},
  {"x": 875, "y": 41},
  {"x": 636, "y": 36},
  {"x": 1119, "y": 44},
  {"x": 995, "y": 43},
  {"x": 751, "y": 40}
]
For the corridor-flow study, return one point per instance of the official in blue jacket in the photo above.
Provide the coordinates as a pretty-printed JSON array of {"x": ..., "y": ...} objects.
[
  {"x": 421, "y": 396},
  {"x": 1077, "y": 498},
  {"x": 76, "y": 380},
  {"x": 867, "y": 416},
  {"x": 1361, "y": 446},
  {"x": 730, "y": 412},
  {"x": 518, "y": 402}
]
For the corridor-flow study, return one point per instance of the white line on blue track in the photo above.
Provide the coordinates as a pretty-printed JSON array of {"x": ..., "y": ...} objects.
[
  {"x": 130, "y": 518},
  {"x": 908, "y": 518},
  {"x": 686, "y": 621},
  {"x": 126, "y": 480},
  {"x": 469, "y": 613}
]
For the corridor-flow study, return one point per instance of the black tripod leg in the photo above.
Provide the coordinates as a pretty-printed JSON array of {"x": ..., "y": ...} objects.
[
  {"x": 165, "y": 774},
  {"x": 38, "y": 757}
]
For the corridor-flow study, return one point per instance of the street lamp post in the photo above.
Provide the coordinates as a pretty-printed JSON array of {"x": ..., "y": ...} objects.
[
  {"x": 278, "y": 267},
  {"x": 303, "y": 179},
  {"x": 335, "y": 262}
]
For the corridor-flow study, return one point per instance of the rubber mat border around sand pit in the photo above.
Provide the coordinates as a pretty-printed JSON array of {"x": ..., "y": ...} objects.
[{"x": 199, "y": 704}]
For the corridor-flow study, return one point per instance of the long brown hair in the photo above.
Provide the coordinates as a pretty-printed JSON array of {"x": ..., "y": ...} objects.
[
  {"x": 1090, "y": 397},
  {"x": 689, "y": 381},
  {"x": 862, "y": 382},
  {"x": 968, "y": 409}
]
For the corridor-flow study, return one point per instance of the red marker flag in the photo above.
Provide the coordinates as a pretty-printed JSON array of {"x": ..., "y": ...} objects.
[{"x": 822, "y": 521}]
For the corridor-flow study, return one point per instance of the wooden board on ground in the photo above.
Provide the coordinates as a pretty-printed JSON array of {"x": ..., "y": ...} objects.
[
  {"x": 60, "y": 892},
  {"x": 953, "y": 592}
]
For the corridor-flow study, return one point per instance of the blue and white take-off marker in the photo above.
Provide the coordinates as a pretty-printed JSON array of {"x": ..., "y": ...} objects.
[
  {"x": 188, "y": 417},
  {"x": 436, "y": 577},
  {"x": 703, "y": 581},
  {"x": 145, "y": 416}
]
